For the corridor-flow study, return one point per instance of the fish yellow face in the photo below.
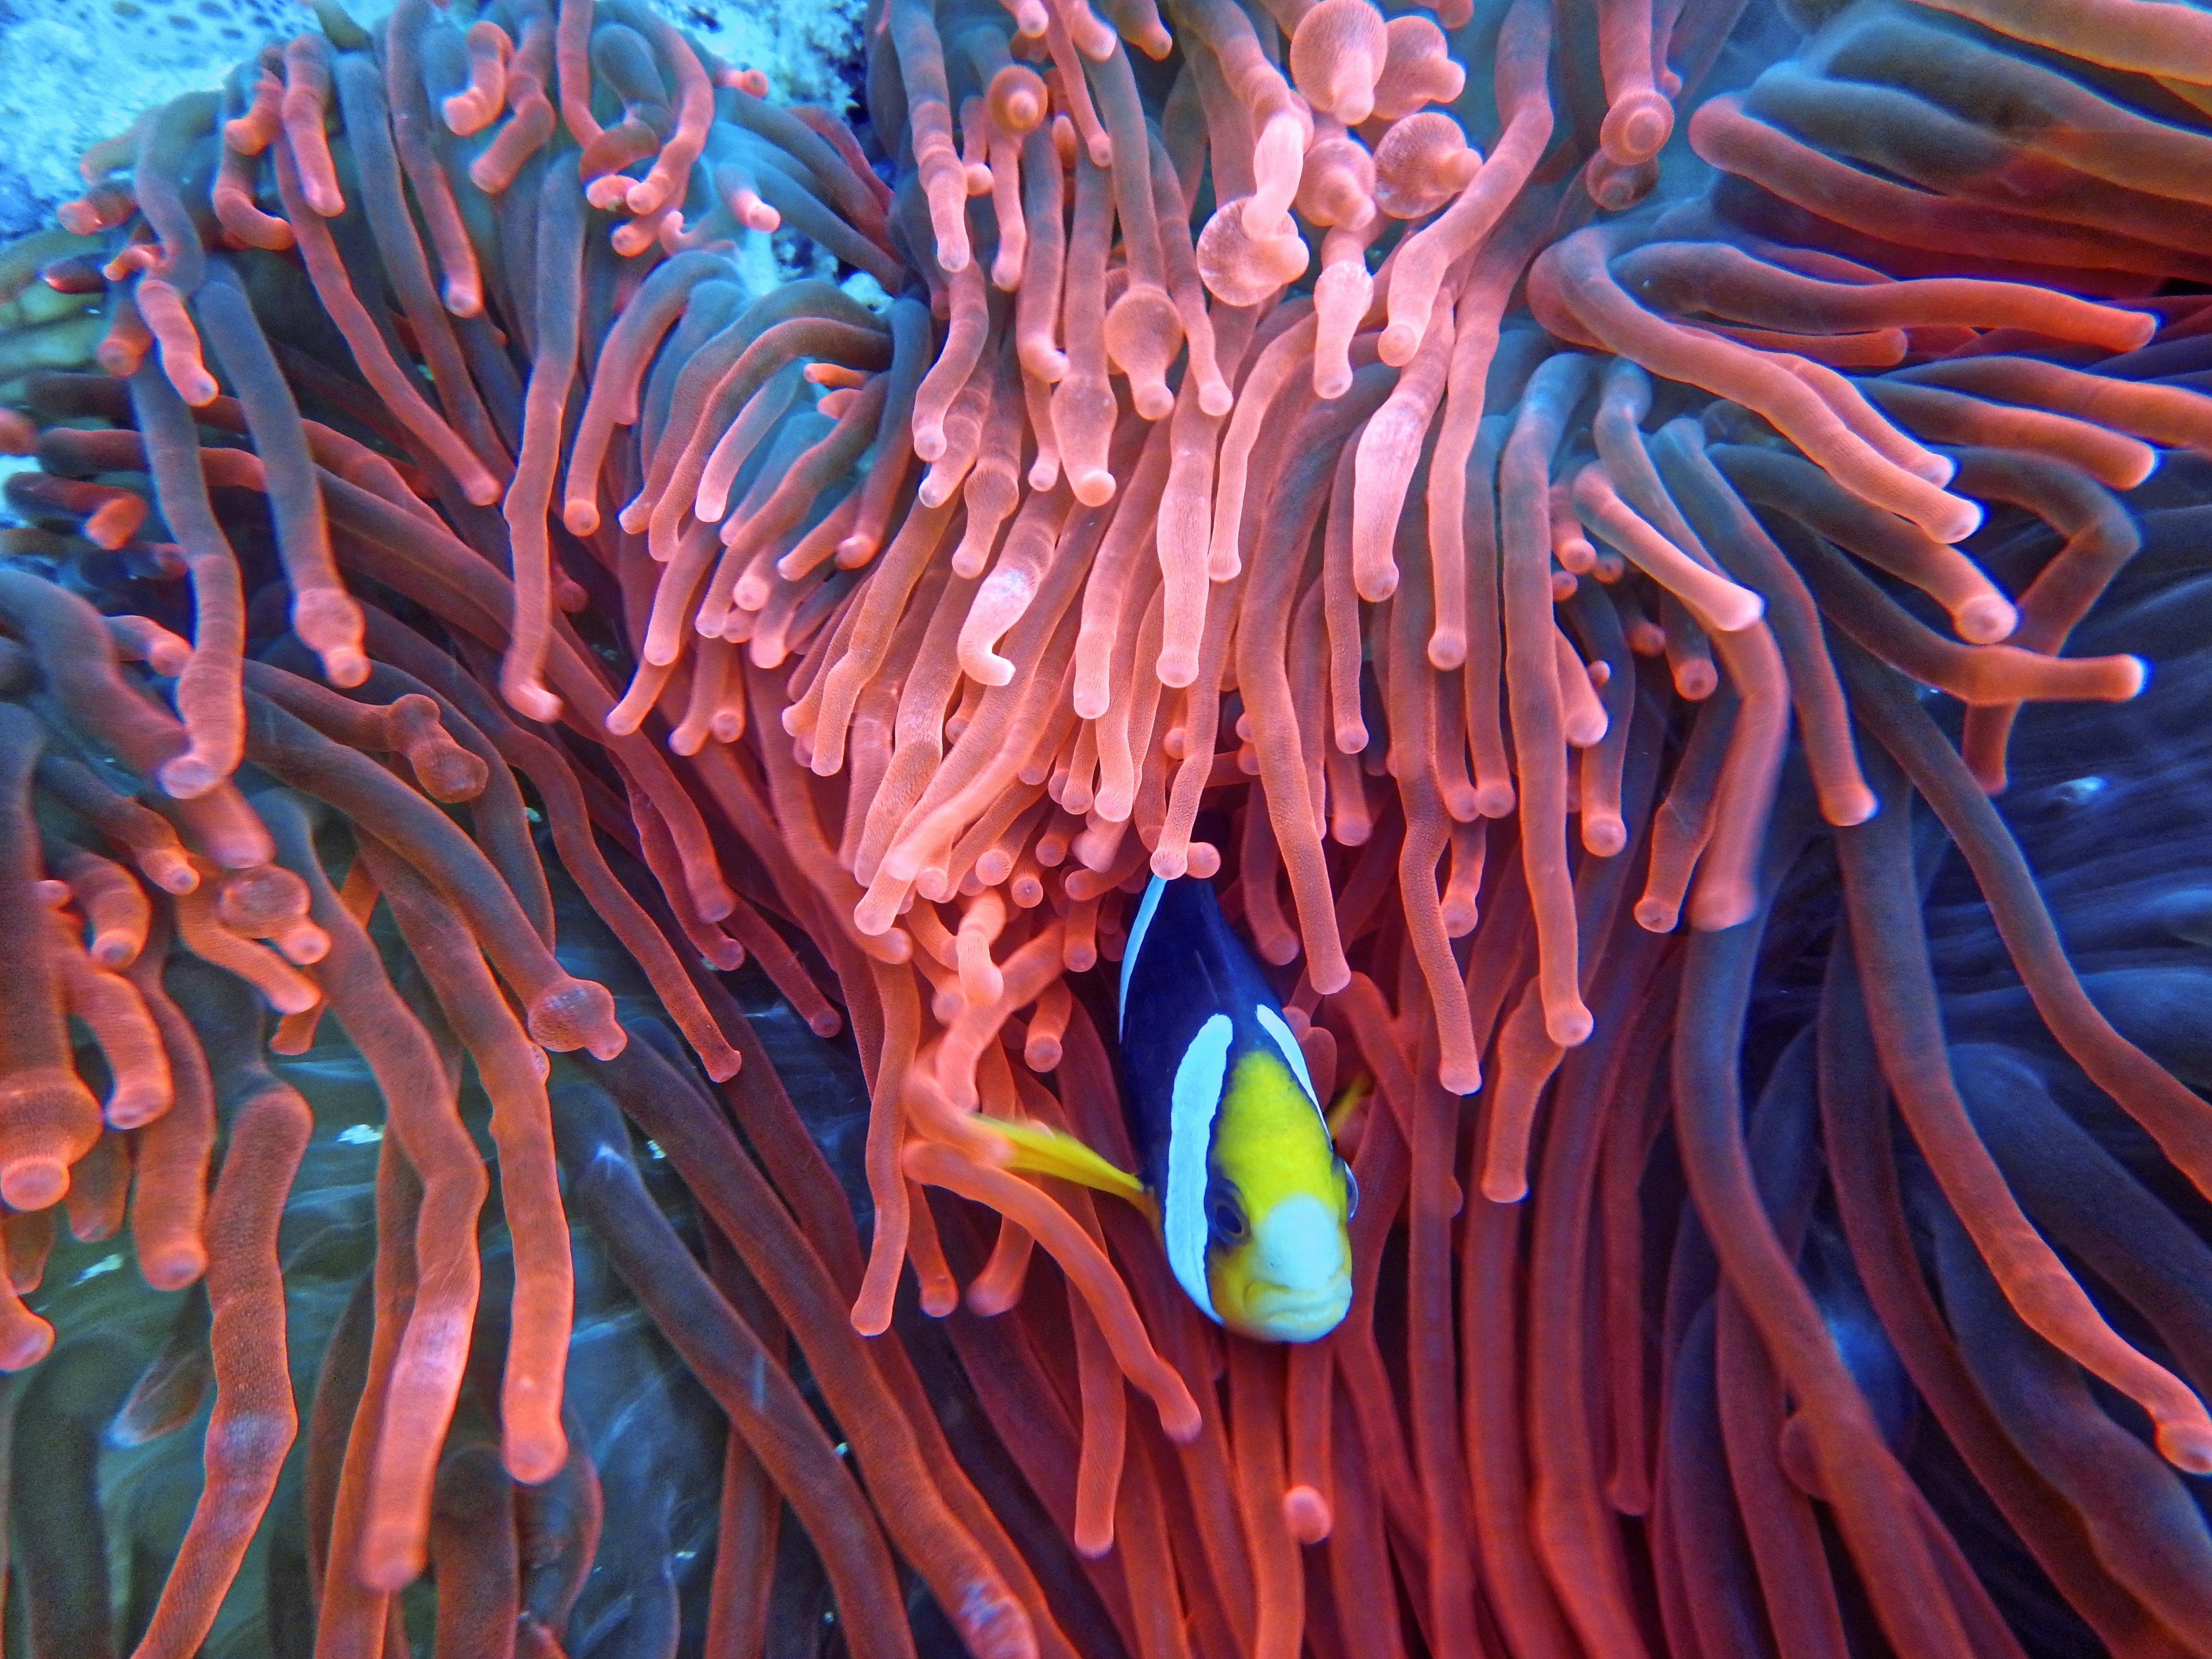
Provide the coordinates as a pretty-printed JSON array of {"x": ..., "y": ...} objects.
[{"x": 1278, "y": 1257}]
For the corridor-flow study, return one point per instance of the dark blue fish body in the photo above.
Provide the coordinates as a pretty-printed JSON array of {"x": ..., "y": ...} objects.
[
  {"x": 1235, "y": 1149},
  {"x": 1184, "y": 965}
]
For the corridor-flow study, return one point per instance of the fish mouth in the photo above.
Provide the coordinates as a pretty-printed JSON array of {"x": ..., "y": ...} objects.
[{"x": 1277, "y": 1313}]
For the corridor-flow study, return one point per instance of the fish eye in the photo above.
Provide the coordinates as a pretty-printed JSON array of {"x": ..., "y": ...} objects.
[
  {"x": 1351, "y": 1190},
  {"x": 1225, "y": 1216}
]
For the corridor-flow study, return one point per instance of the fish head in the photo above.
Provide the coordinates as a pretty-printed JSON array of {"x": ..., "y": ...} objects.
[{"x": 1279, "y": 1252}]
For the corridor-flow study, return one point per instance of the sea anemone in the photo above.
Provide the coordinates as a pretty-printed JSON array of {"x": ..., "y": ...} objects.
[{"x": 1627, "y": 537}]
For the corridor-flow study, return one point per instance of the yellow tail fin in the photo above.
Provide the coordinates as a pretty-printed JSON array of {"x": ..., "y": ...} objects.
[{"x": 1040, "y": 1150}]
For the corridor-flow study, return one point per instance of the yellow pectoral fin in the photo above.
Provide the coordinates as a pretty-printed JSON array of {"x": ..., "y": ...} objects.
[
  {"x": 1347, "y": 1102},
  {"x": 1042, "y": 1151}
]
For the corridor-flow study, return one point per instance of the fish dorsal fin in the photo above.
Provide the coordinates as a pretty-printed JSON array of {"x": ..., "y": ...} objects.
[{"x": 1039, "y": 1149}]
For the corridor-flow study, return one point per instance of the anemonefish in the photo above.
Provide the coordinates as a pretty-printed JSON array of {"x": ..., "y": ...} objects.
[
  {"x": 1252, "y": 1197},
  {"x": 1239, "y": 1165}
]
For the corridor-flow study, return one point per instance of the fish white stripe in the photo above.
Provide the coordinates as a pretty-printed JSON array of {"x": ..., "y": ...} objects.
[
  {"x": 1279, "y": 1029},
  {"x": 1153, "y": 888},
  {"x": 1197, "y": 1096}
]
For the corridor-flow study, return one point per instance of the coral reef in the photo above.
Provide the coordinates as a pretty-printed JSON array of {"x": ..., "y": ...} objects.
[{"x": 1629, "y": 537}]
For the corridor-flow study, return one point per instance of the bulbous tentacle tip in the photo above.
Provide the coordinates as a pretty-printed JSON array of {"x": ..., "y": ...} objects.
[
  {"x": 1938, "y": 470},
  {"x": 345, "y": 666},
  {"x": 1379, "y": 583},
  {"x": 1853, "y": 806},
  {"x": 1093, "y": 487},
  {"x": 1615, "y": 188},
  {"x": 1017, "y": 100},
  {"x": 1953, "y": 519},
  {"x": 1696, "y": 680},
  {"x": 1505, "y": 1186},
  {"x": 392, "y": 1555},
  {"x": 1637, "y": 127},
  {"x": 577, "y": 1013},
  {"x": 1986, "y": 620},
  {"x": 1568, "y": 1025},
  {"x": 2186, "y": 1443},
  {"x": 1420, "y": 163},
  {"x": 453, "y": 778},
  {"x": 1179, "y": 1420},
  {"x": 25, "y": 1340},
  {"x": 172, "y": 876},
  {"x": 1337, "y": 53},
  {"x": 1038, "y": 356},
  {"x": 1329, "y": 978},
  {"x": 133, "y": 1106},
  {"x": 1154, "y": 402},
  {"x": 34, "y": 1183},
  {"x": 535, "y": 1458},
  {"x": 1307, "y": 1514},
  {"x": 189, "y": 776},
  {"x": 1241, "y": 265},
  {"x": 531, "y": 701},
  {"x": 173, "y": 1267},
  {"x": 1603, "y": 836}
]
